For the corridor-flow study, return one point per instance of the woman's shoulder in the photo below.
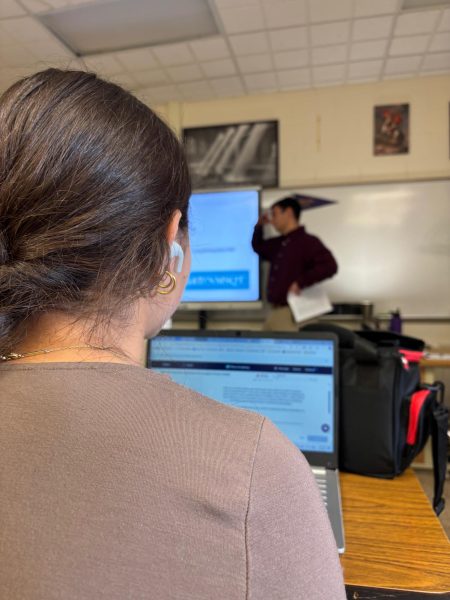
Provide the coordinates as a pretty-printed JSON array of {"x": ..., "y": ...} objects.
[{"x": 132, "y": 393}]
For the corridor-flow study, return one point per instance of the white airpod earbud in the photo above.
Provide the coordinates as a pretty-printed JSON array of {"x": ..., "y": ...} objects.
[{"x": 176, "y": 251}]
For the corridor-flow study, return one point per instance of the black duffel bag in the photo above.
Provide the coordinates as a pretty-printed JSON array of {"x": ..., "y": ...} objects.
[{"x": 386, "y": 414}]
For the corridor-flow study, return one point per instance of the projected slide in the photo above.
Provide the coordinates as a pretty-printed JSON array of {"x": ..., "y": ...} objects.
[{"x": 224, "y": 266}]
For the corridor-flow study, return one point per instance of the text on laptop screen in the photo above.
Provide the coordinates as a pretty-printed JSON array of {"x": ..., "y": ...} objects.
[{"x": 290, "y": 381}]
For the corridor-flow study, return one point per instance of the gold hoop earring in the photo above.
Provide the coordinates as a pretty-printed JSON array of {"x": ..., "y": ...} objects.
[{"x": 167, "y": 288}]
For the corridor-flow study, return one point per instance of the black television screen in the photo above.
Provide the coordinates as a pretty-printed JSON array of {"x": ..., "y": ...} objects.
[{"x": 224, "y": 269}]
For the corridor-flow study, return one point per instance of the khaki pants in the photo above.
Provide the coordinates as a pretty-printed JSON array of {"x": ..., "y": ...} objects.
[{"x": 280, "y": 319}]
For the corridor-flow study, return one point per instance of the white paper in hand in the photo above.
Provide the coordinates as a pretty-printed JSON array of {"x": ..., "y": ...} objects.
[{"x": 312, "y": 302}]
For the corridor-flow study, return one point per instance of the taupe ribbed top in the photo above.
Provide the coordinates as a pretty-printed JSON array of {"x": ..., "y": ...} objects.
[{"x": 118, "y": 484}]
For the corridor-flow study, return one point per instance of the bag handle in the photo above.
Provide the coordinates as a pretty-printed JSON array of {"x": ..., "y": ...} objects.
[{"x": 439, "y": 426}]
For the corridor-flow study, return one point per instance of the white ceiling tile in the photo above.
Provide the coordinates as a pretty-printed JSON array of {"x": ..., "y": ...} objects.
[
  {"x": 173, "y": 54},
  {"x": 6, "y": 39},
  {"x": 285, "y": 14},
  {"x": 218, "y": 68},
  {"x": 210, "y": 48},
  {"x": 228, "y": 86},
  {"x": 288, "y": 39},
  {"x": 373, "y": 28},
  {"x": 294, "y": 78},
  {"x": 35, "y": 6},
  {"x": 185, "y": 73},
  {"x": 362, "y": 80},
  {"x": 293, "y": 59},
  {"x": 125, "y": 80},
  {"x": 369, "y": 8},
  {"x": 49, "y": 50},
  {"x": 415, "y": 44},
  {"x": 164, "y": 93},
  {"x": 137, "y": 60},
  {"x": 152, "y": 77},
  {"x": 10, "y": 8},
  {"x": 444, "y": 24},
  {"x": 440, "y": 42},
  {"x": 404, "y": 65},
  {"x": 434, "y": 72},
  {"x": 436, "y": 61},
  {"x": 330, "y": 73},
  {"x": 17, "y": 56},
  {"x": 242, "y": 18},
  {"x": 365, "y": 50},
  {"x": 261, "y": 82},
  {"x": 330, "y": 33},
  {"x": 106, "y": 64},
  {"x": 327, "y": 55},
  {"x": 422, "y": 21},
  {"x": 255, "y": 64},
  {"x": 198, "y": 90},
  {"x": 365, "y": 69},
  {"x": 234, "y": 3},
  {"x": 249, "y": 43},
  {"x": 26, "y": 29},
  {"x": 330, "y": 10}
]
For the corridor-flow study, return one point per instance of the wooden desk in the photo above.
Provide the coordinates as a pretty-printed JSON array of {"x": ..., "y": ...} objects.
[{"x": 393, "y": 538}]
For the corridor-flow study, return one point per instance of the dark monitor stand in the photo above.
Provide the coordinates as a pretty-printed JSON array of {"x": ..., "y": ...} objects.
[{"x": 202, "y": 319}]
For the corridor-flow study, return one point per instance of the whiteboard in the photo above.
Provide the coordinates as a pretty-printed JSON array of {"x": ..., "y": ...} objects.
[{"x": 391, "y": 241}]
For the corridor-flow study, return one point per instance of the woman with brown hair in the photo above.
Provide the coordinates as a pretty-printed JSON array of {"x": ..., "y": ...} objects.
[{"x": 116, "y": 482}]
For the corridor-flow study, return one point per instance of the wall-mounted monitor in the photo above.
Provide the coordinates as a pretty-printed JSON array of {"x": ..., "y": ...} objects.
[{"x": 225, "y": 271}]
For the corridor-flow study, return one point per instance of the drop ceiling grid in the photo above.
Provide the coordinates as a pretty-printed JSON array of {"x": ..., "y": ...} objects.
[{"x": 315, "y": 43}]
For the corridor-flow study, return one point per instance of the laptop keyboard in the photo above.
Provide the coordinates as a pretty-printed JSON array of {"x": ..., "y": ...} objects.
[{"x": 321, "y": 480}]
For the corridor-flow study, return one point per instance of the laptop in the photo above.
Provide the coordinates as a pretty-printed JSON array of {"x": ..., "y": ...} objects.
[{"x": 291, "y": 378}]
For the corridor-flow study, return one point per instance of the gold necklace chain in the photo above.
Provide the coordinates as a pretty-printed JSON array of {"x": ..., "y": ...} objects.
[{"x": 17, "y": 355}]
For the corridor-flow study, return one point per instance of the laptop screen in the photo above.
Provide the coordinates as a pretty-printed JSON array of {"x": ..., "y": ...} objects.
[{"x": 287, "y": 378}]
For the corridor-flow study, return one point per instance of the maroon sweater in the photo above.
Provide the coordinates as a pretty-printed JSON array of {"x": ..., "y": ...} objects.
[{"x": 297, "y": 256}]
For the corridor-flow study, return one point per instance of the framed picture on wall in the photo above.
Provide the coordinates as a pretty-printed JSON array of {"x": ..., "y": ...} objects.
[
  {"x": 233, "y": 155},
  {"x": 391, "y": 129}
]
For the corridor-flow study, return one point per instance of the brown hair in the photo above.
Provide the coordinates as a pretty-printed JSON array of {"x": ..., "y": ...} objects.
[{"x": 89, "y": 179}]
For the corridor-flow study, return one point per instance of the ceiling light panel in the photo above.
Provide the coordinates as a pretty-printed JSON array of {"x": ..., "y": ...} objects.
[{"x": 113, "y": 25}]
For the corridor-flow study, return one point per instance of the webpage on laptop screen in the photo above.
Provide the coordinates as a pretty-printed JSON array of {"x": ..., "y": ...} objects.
[{"x": 289, "y": 381}]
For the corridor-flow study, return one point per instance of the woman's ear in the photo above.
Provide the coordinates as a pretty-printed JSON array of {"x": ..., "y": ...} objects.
[{"x": 172, "y": 229}]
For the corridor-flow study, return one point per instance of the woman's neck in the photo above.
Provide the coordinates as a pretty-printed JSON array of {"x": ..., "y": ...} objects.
[{"x": 70, "y": 340}]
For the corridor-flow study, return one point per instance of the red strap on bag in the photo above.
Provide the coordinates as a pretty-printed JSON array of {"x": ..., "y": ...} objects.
[
  {"x": 412, "y": 355},
  {"x": 417, "y": 401}
]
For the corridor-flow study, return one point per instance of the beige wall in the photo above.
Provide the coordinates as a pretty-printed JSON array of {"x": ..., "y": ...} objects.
[
  {"x": 326, "y": 134},
  {"x": 326, "y": 138}
]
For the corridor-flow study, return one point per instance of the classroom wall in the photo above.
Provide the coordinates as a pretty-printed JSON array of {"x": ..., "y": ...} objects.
[
  {"x": 326, "y": 133},
  {"x": 326, "y": 139}
]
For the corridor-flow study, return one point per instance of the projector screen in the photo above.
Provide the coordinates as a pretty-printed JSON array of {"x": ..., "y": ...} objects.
[{"x": 224, "y": 269}]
